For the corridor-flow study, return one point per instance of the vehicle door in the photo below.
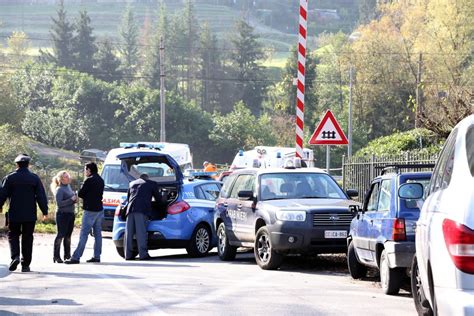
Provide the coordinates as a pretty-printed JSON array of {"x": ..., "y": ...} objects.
[
  {"x": 381, "y": 220},
  {"x": 235, "y": 207},
  {"x": 248, "y": 210},
  {"x": 222, "y": 204},
  {"x": 362, "y": 237}
]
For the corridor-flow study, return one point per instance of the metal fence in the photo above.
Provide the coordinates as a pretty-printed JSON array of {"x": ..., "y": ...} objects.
[{"x": 357, "y": 173}]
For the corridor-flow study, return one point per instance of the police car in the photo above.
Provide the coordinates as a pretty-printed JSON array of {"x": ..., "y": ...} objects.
[
  {"x": 116, "y": 183},
  {"x": 182, "y": 217},
  {"x": 279, "y": 211}
]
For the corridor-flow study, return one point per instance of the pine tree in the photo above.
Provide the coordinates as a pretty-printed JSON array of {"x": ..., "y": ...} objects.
[
  {"x": 191, "y": 40},
  {"x": 129, "y": 51},
  {"x": 246, "y": 53},
  {"x": 62, "y": 37},
  {"x": 211, "y": 69},
  {"x": 106, "y": 63},
  {"x": 83, "y": 46}
]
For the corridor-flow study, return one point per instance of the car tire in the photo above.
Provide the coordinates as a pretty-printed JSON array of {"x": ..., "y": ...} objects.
[
  {"x": 356, "y": 269},
  {"x": 421, "y": 303},
  {"x": 121, "y": 252},
  {"x": 200, "y": 242},
  {"x": 134, "y": 251},
  {"x": 390, "y": 278},
  {"x": 265, "y": 255},
  {"x": 225, "y": 251}
]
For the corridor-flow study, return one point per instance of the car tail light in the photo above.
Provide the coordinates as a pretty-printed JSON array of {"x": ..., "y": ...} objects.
[
  {"x": 178, "y": 207},
  {"x": 399, "y": 231},
  {"x": 460, "y": 243}
]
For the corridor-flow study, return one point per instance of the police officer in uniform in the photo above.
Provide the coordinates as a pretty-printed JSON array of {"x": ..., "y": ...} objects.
[{"x": 24, "y": 190}]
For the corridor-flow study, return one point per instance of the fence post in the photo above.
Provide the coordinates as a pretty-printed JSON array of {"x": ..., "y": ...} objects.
[
  {"x": 372, "y": 167},
  {"x": 344, "y": 172}
]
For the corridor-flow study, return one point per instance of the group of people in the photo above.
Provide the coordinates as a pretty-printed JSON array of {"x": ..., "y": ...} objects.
[{"x": 24, "y": 191}]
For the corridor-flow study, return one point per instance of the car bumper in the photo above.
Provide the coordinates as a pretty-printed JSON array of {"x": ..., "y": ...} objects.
[
  {"x": 297, "y": 238},
  {"x": 454, "y": 301},
  {"x": 156, "y": 241},
  {"x": 400, "y": 254}
]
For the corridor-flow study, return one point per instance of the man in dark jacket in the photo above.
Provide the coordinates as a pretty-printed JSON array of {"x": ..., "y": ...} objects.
[
  {"x": 91, "y": 193},
  {"x": 140, "y": 193},
  {"x": 23, "y": 189}
]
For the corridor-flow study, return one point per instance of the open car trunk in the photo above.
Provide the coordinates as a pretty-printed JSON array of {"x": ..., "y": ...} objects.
[{"x": 162, "y": 169}]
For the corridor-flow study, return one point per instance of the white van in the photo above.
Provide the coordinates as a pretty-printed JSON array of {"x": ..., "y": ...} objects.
[
  {"x": 116, "y": 183},
  {"x": 269, "y": 157}
]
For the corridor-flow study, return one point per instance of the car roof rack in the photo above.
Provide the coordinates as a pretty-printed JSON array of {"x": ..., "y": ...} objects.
[{"x": 397, "y": 167}]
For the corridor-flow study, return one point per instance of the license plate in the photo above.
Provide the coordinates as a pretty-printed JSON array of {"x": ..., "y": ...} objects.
[{"x": 335, "y": 234}]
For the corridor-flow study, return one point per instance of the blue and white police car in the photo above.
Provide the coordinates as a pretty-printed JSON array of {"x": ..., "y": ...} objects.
[{"x": 183, "y": 216}]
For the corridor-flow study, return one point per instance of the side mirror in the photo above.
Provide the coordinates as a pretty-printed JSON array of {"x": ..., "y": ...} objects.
[
  {"x": 245, "y": 195},
  {"x": 411, "y": 191},
  {"x": 352, "y": 193},
  {"x": 354, "y": 209}
]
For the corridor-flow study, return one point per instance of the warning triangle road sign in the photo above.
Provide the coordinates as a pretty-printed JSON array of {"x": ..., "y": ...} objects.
[{"x": 328, "y": 132}]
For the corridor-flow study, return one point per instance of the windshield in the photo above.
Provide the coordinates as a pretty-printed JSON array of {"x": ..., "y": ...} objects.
[
  {"x": 299, "y": 186},
  {"x": 114, "y": 180},
  {"x": 157, "y": 171}
]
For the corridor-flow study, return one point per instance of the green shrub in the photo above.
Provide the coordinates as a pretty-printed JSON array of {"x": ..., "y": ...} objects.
[{"x": 416, "y": 141}]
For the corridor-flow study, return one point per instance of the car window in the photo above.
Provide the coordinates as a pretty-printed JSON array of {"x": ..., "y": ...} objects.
[
  {"x": 114, "y": 179},
  {"x": 470, "y": 148},
  {"x": 373, "y": 197},
  {"x": 443, "y": 170},
  {"x": 209, "y": 191},
  {"x": 243, "y": 182},
  {"x": 225, "y": 190},
  {"x": 414, "y": 204},
  {"x": 385, "y": 196}
]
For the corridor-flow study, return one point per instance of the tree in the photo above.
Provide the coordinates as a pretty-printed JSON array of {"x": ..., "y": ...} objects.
[
  {"x": 83, "y": 45},
  {"x": 18, "y": 45},
  {"x": 367, "y": 10},
  {"x": 107, "y": 65},
  {"x": 240, "y": 130},
  {"x": 128, "y": 33},
  {"x": 246, "y": 53},
  {"x": 62, "y": 37},
  {"x": 211, "y": 70},
  {"x": 8, "y": 105},
  {"x": 11, "y": 143},
  {"x": 191, "y": 40}
]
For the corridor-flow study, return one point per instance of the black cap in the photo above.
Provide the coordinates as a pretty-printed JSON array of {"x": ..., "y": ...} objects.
[{"x": 22, "y": 158}]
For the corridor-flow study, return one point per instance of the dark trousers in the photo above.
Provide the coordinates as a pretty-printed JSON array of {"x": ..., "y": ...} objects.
[
  {"x": 136, "y": 225},
  {"x": 25, "y": 229},
  {"x": 65, "y": 226}
]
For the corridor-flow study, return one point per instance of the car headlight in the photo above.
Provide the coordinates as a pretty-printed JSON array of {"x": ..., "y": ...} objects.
[{"x": 293, "y": 216}]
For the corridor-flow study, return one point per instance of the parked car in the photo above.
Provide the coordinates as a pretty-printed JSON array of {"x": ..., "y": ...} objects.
[
  {"x": 382, "y": 233},
  {"x": 443, "y": 268},
  {"x": 94, "y": 155},
  {"x": 183, "y": 216},
  {"x": 280, "y": 211}
]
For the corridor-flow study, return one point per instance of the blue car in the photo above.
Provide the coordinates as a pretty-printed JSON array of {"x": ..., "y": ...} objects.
[
  {"x": 382, "y": 233},
  {"x": 182, "y": 217}
]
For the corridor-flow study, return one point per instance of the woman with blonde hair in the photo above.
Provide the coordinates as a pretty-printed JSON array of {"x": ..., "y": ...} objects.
[{"x": 65, "y": 199}]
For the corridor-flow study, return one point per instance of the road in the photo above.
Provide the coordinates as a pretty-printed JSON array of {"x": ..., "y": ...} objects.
[{"x": 172, "y": 283}]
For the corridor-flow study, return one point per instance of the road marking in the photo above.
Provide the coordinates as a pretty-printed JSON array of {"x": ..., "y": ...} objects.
[{"x": 148, "y": 306}]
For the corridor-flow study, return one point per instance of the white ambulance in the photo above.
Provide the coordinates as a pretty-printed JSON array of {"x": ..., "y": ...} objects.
[{"x": 269, "y": 157}]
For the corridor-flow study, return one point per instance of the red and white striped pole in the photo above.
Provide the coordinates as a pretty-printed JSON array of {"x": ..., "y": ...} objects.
[{"x": 301, "y": 79}]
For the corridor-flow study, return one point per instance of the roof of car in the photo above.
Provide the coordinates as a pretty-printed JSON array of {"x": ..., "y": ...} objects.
[
  {"x": 113, "y": 153},
  {"x": 279, "y": 170},
  {"x": 414, "y": 174}
]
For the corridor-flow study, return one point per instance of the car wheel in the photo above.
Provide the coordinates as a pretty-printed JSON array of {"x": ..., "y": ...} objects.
[
  {"x": 225, "y": 251},
  {"x": 390, "y": 279},
  {"x": 200, "y": 242},
  {"x": 356, "y": 269},
  {"x": 121, "y": 252},
  {"x": 421, "y": 303},
  {"x": 265, "y": 256}
]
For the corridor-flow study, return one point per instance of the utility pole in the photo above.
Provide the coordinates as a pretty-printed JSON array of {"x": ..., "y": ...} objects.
[
  {"x": 349, "y": 132},
  {"x": 419, "y": 96},
  {"x": 162, "y": 92}
]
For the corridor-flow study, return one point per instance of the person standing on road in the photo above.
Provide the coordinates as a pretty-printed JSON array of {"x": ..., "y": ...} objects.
[
  {"x": 91, "y": 193},
  {"x": 65, "y": 200},
  {"x": 24, "y": 190},
  {"x": 139, "y": 195}
]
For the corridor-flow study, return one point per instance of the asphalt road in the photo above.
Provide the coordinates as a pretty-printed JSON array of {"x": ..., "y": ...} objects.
[{"x": 172, "y": 283}]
